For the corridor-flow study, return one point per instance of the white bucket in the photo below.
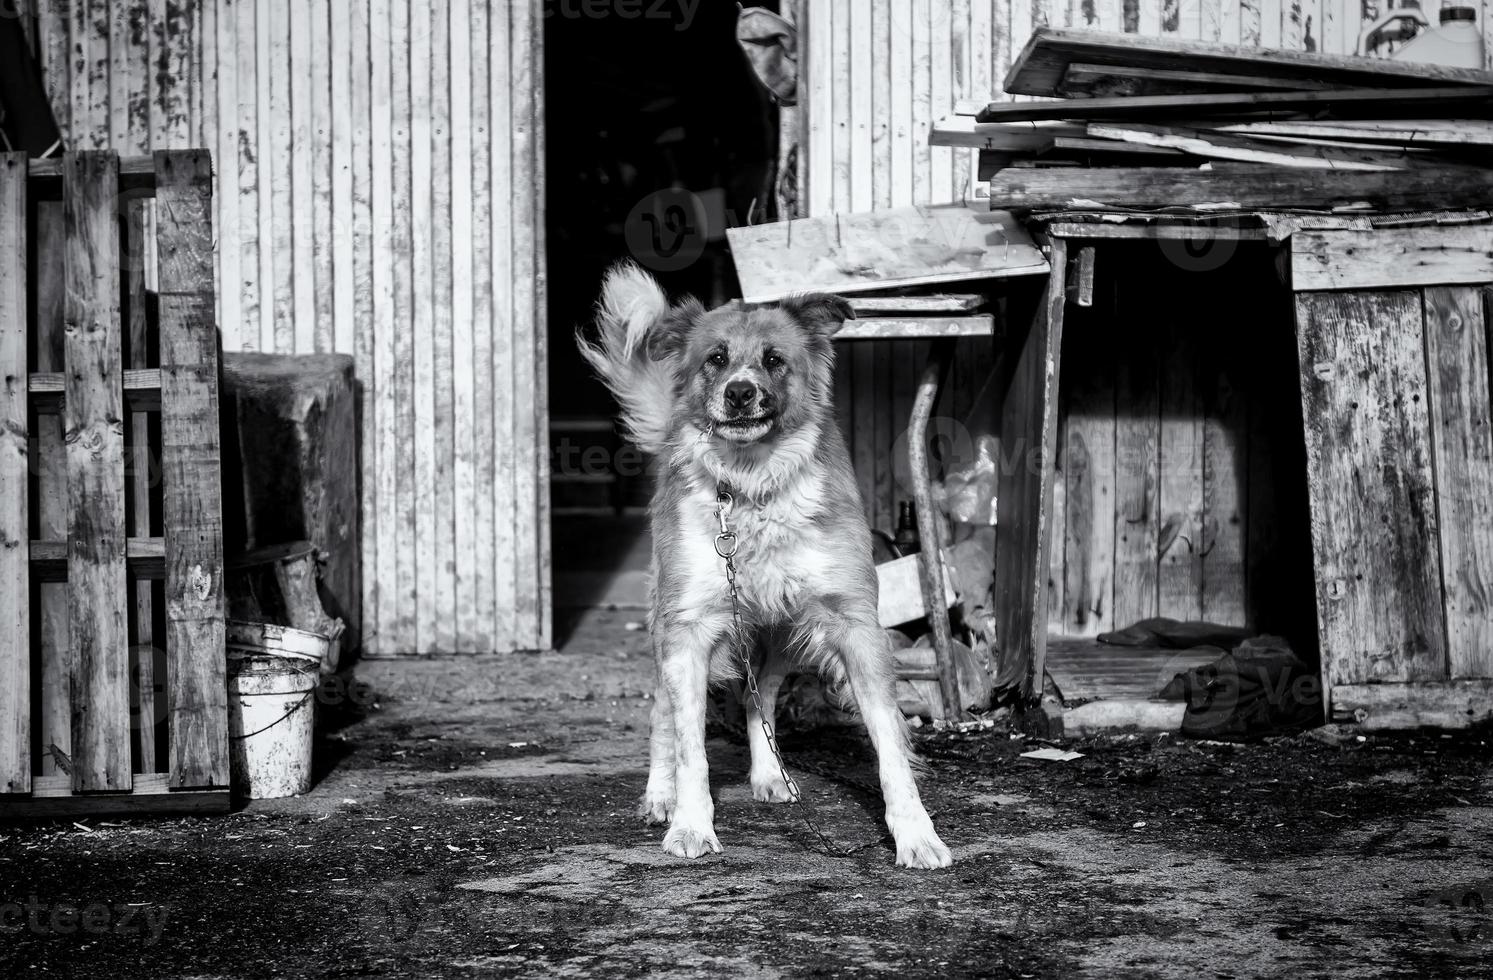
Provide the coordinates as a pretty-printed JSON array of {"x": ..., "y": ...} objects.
[{"x": 273, "y": 672}]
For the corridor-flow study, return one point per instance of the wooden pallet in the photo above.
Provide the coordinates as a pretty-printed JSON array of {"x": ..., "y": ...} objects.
[{"x": 112, "y": 688}]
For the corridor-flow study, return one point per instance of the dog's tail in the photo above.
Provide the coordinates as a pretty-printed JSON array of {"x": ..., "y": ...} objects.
[{"x": 631, "y": 305}]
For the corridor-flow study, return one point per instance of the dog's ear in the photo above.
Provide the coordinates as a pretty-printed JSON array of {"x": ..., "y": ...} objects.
[
  {"x": 820, "y": 313},
  {"x": 668, "y": 335}
]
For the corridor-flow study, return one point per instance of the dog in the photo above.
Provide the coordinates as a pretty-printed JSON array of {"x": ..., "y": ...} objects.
[{"x": 737, "y": 401}]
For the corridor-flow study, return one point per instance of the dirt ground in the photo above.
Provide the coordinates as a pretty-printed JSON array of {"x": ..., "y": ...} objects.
[{"x": 474, "y": 820}]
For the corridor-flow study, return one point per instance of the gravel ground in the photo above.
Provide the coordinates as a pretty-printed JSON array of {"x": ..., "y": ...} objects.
[{"x": 475, "y": 818}]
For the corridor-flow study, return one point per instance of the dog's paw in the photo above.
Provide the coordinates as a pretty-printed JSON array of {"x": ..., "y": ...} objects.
[
  {"x": 918, "y": 845},
  {"x": 772, "y": 788},
  {"x": 656, "y": 808},
  {"x": 687, "y": 842}
]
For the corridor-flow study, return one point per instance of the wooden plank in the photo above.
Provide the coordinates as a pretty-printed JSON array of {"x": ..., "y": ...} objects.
[
  {"x": 51, "y": 486},
  {"x": 530, "y": 442},
  {"x": 1462, "y": 439},
  {"x": 1391, "y": 258},
  {"x": 468, "y": 627},
  {"x": 1440, "y": 133},
  {"x": 1218, "y": 146},
  {"x": 251, "y": 134},
  {"x": 1378, "y": 571},
  {"x": 358, "y": 263},
  {"x": 141, "y": 386},
  {"x": 281, "y": 157},
  {"x": 191, "y": 508},
  {"x": 1179, "y": 576},
  {"x": 917, "y": 328},
  {"x": 1023, "y": 498},
  {"x": 92, "y": 418},
  {"x": 1137, "y": 456},
  {"x": 918, "y": 305},
  {"x": 145, "y": 558},
  {"x": 321, "y": 61},
  {"x": 443, "y": 528},
  {"x": 1373, "y": 103},
  {"x": 402, "y": 392},
  {"x": 1089, "y": 473},
  {"x": 138, "y": 472},
  {"x": 484, "y": 610},
  {"x": 1267, "y": 187},
  {"x": 224, "y": 87},
  {"x": 1012, "y": 137},
  {"x": 1406, "y": 707},
  {"x": 1186, "y": 230},
  {"x": 541, "y": 485},
  {"x": 1081, "y": 80},
  {"x": 902, "y": 247},
  {"x": 505, "y": 404},
  {"x": 1040, "y": 67},
  {"x": 1225, "y": 456},
  {"x": 15, "y": 478},
  {"x": 116, "y": 805}
]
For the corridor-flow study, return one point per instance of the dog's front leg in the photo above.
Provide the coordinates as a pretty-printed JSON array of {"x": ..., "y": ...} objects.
[
  {"x": 867, "y": 661},
  {"x": 657, "y": 805},
  {"x": 768, "y": 784},
  {"x": 684, "y": 665}
]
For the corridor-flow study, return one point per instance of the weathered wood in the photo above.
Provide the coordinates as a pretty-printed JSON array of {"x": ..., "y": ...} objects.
[
  {"x": 930, "y": 559},
  {"x": 192, "y": 508},
  {"x": 917, "y": 328},
  {"x": 1179, "y": 581},
  {"x": 1368, "y": 446},
  {"x": 142, "y": 389},
  {"x": 162, "y": 803},
  {"x": 1387, "y": 259},
  {"x": 1266, "y": 187},
  {"x": 1014, "y": 137},
  {"x": 136, "y": 173},
  {"x": 93, "y": 416},
  {"x": 1375, "y": 103},
  {"x": 52, "y": 623},
  {"x": 1081, "y": 80},
  {"x": 145, "y": 558},
  {"x": 1137, "y": 457},
  {"x": 1462, "y": 437},
  {"x": 880, "y": 250},
  {"x": 919, "y": 305},
  {"x": 1186, "y": 230},
  {"x": 1223, "y": 146},
  {"x": 1089, "y": 476},
  {"x": 1042, "y": 64},
  {"x": 1438, "y": 133},
  {"x": 1423, "y": 704},
  {"x": 1225, "y": 460},
  {"x": 139, "y": 354},
  {"x": 1024, "y": 494},
  {"x": 15, "y": 491}
]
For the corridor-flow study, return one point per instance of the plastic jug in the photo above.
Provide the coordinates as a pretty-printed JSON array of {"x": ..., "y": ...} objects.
[{"x": 1456, "y": 42}]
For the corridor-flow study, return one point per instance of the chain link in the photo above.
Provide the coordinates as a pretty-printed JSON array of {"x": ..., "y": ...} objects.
[{"x": 725, "y": 546}]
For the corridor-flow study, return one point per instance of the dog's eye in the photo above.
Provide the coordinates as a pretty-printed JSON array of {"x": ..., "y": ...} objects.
[
  {"x": 772, "y": 361},
  {"x": 718, "y": 359}
]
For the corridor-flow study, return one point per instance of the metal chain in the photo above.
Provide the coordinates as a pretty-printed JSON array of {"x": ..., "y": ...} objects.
[{"x": 725, "y": 546}]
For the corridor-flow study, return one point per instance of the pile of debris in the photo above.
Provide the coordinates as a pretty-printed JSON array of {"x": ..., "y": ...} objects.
[{"x": 1146, "y": 123}]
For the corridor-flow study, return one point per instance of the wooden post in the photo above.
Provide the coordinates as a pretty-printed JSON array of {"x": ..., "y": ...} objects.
[
  {"x": 192, "y": 505},
  {"x": 93, "y": 423},
  {"x": 15, "y": 537},
  {"x": 1024, "y": 490},
  {"x": 929, "y": 530}
]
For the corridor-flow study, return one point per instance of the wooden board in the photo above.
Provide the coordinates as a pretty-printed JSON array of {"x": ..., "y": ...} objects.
[
  {"x": 1223, "y": 146},
  {"x": 1445, "y": 133},
  {"x": 1224, "y": 395},
  {"x": 1462, "y": 435},
  {"x": 918, "y": 305},
  {"x": 1089, "y": 475},
  {"x": 1387, "y": 259},
  {"x": 1179, "y": 582},
  {"x": 1266, "y": 187},
  {"x": 1137, "y": 458},
  {"x": 1429, "y": 704},
  {"x": 1014, "y": 137},
  {"x": 917, "y": 328},
  {"x": 1024, "y": 495},
  {"x": 15, "y": 471},
  {"x": 93, "y": 414},
  {"x": 1082, "y": 80},
  {"x": 1368, "y": 446},
  {"x": 1043, "y": 63},
  {"x": 1374, "y": 103},
  {"x": 880, "y": 250},
  {"x": 192, "y": 509},
  {"x": 66, "y": 807}
]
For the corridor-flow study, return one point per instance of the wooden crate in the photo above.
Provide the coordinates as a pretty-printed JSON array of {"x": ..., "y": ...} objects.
[{"x": 112, "y": 688}]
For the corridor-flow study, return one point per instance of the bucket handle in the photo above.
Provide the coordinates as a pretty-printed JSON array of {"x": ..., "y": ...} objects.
[{"x": 293, "y": 709}]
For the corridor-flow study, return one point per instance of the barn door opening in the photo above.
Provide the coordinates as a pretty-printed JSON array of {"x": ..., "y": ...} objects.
[{"x": 659, "y": 138}]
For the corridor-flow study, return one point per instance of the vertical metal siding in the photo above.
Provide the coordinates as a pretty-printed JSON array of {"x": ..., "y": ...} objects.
[{"x": 378, "y": 193}]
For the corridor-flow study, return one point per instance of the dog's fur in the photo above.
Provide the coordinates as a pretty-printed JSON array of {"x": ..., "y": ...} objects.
[{"x": 740, "y": 398}]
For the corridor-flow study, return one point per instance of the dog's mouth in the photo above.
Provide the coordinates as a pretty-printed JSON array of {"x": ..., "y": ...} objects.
[{"x": 745, "y": 428}]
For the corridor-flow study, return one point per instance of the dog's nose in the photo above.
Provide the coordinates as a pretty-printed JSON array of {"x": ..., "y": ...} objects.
[{"x": 740, "y": 395}]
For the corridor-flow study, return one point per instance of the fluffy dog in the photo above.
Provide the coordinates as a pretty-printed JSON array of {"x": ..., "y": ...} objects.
[{"x": 738, "y": 400}]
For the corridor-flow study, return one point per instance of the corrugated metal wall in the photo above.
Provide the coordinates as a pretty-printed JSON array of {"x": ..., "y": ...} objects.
[{"x": 379, "y": 194}]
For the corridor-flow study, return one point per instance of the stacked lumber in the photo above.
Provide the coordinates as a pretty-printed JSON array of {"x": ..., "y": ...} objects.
[{"x": 1125, "y": 121}]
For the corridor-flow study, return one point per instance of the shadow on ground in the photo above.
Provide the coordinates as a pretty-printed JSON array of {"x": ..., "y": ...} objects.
[{"x": 479, "y": 822}]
